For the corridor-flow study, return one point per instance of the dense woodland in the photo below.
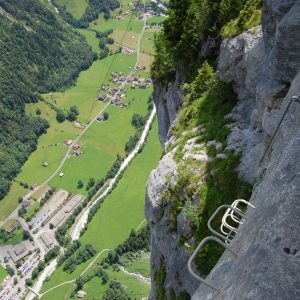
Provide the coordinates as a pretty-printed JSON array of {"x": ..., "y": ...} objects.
[
  {"x": 190, "y": 24},
  {"x": 38, "y": 53}
]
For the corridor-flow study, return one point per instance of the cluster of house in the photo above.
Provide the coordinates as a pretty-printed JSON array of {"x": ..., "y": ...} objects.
[
  {"x": 120, "y": 17},
  {"x": 117, "y": 95},
  {"x": 127, "y": 51},
  {"x": 75, "y": 147},
  {"x": 138, "y": 80}
]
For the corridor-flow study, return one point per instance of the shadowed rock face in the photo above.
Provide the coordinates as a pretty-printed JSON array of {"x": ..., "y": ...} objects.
[
  {"x": 281, "y": 25},
  {"x": 263, "y": 64},
  {"x": 168, "y": 100}
]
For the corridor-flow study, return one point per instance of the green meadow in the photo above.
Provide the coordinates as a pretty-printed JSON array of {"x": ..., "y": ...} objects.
[
  {"x": 127, "y": 24},
  {"x": 10, "y": 201},
  {"x": 147, "y": 41},
  {"x": 84, "y": 93},
  {"x": 141, "y": 266},
  {"x": 91, "y": 39},
  {"x": 3, "y": 274},
  {"x": 95, "y": 288},
  {"x": 74, "y": 7},
  {"x": 111, "y": 226},
  {"x": 129, "y": 197},
  {"x": 156, "y": 20}
]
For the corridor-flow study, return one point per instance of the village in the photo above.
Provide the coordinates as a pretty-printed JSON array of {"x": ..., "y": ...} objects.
[{"x": 116, "y": 95}]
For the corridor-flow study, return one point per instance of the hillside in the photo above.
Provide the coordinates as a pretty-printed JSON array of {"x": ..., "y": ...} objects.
[
  {"x": 39, "y": 53},
  {"x": 230, "y": 127}
]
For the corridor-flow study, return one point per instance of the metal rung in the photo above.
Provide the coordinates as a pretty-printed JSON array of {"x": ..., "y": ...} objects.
[
  {"x": 203, "y": 242},
  {"x": 224, "y": 223}
]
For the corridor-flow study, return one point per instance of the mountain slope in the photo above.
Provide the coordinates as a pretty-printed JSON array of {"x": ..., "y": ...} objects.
[{"x": 38, "y": 53}]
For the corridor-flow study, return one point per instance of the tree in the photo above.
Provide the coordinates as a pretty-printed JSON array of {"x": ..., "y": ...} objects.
[
  {"x": 79, "y": 283},
  {"x": 15, "y": 280},
  {"x": 9, "y": 270},
  {"x": 91, "y": 182},
  {"x": 105, "y": 115},
  {"x": 38, "y": 111},
  {"x": 60, "y": 116},
  {"x": 26, "y": 235},
  {"x": 20, "y": 199},
  {"x": 74, "y": 109},
  {"x": 21, "y": 211},
  {"x": 104, "y": 278},
  {"x": 80, "y": 184},
  {"x": 71, "y": 116},
  {"x": 29, "y": 282}
]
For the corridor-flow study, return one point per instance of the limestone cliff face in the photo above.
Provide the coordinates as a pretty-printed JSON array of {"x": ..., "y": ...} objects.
[
  {"x": 263, "y": 64},
  {"x": 168, "y": 100}
]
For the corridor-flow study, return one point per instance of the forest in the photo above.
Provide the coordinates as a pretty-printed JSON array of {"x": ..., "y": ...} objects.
[
  {"x": 38, "y": 54},
  {"x": 190, "y": 24}
]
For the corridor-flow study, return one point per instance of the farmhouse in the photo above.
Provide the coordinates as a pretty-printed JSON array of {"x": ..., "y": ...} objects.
[
  {"x": 45, "y": 164},
  {"x": 26, "y": 203},
  {"x": 100, "y": 118},
  {"x": 102, "y": 97},
  {"x": 11, "y": 228},
  {"x": 81, "y": 294},
  {"x": 69, "y": 143},
  {"x": 77, "y": 152},
  {"x": 127, "y": 51},
  {"x": 143, "y": 85},
  {"x": 76, "y": 146}
]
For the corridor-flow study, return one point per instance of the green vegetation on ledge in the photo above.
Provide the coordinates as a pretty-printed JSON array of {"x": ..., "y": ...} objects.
[
  {"x": 213, "y": 182},
  {"x": 249, "y": 17}
]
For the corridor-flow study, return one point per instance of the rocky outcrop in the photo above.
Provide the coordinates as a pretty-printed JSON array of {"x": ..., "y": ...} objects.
[
  {"x": 263, "y": 65},
  {"x": 166, "y": 248},
  {"x": 265, "y": 72},
  {"x": 168, "y": 100}
]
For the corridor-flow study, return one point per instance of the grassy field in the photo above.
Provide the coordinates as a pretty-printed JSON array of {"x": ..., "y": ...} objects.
[
  {"x": 147, "y": 42},
  {"x": 3, "y": 274},
  {"x": 17, "y": 235},
  {"x": 10, "y": 201},
  {"x": 129, "y": 197},
  {"x": 141, "y": 266},
  {"x": 95, "y": 289},
  {"x": 127, "y": 39},
  {"x": 91, "y": 39},
  {"x": 156, "y": 20},
  {"x": 84, "y": 94},
  {"x": 33, "y": 209},
  {"x": 108, "y": 229},
  {"x": 74, "y": 7},
  {"x": 146, "y": 60},
  {"x": 134, "y": 288},
  {"x": 128, "y": 24}
]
